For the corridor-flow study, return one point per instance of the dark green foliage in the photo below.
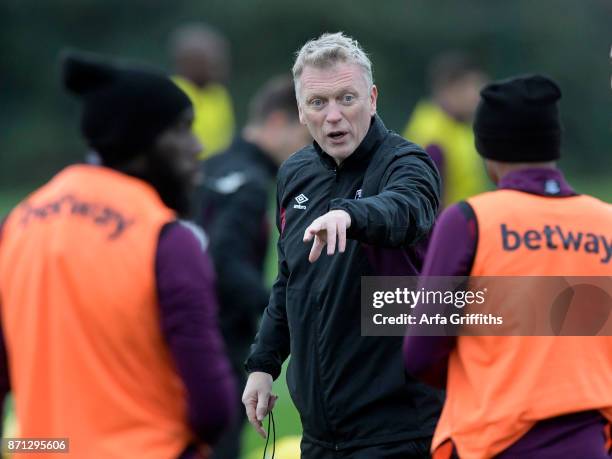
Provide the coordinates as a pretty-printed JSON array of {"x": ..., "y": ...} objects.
[{"x": 567, "y": 39}]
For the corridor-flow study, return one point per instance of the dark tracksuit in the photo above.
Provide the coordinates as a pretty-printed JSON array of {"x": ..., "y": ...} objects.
[
  {"x": 234, "y": 202},
  {"x": 351, "y": 391}
]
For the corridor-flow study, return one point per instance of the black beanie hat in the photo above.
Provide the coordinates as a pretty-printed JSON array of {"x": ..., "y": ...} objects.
[
  {"x": 124, "y": 108},
  {"x": 517, "y": 120}
]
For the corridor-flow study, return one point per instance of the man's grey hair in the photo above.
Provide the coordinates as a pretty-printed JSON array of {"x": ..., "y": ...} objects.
[{"x": 330, "y": 49}]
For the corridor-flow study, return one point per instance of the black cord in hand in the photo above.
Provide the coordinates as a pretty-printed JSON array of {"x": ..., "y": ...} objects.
[{"x": 270, "y": 420}]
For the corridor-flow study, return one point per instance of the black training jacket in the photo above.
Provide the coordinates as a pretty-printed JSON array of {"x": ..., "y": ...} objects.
[{"x": 350, "y": 390}]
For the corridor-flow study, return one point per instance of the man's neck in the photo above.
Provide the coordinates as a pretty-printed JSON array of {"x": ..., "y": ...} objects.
[
  {"x": 257, "y": 137},
  {"x": 504, "y": 169}
]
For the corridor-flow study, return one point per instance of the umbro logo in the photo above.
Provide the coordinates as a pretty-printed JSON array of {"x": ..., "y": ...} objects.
[
  {"x": 301, "y": 199},
  {"x": 552, "y": 187}
]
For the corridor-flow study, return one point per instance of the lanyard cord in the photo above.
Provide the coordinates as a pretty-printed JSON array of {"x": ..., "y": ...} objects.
[{"x": 270, "y": 419}]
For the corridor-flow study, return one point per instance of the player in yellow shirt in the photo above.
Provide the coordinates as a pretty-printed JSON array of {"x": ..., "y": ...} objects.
[
  {"x": 201, "y": 60},
  {"x": 442, "y": 124}
]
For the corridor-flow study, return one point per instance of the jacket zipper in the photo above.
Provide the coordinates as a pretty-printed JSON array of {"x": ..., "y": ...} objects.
[
  {"x": 317, "y": 353},
  {"x": 320, "y": 391}
]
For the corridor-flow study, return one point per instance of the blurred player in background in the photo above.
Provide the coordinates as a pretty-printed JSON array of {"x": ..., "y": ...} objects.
[
  {"x": 443, "y": 124},
  {"x": 237, "y": 191},
  {"x": 201, "y": 57},
  {"x": 520, "y": 396},
  {"x": 107, "y": 298}
]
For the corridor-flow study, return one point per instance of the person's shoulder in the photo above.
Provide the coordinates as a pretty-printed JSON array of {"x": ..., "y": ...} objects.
[
  {"x": 396, "y": 151},
  {"x": 458, "y": 211},
  {"x": 298, "y": 161},
  {"x": 596, "y": 201},
  {"x": 231, "y": 171},
  {"x": 215, "y": 164},
  {"x": 185, "y": 234},
  {"x": 456, "y": 220},
  {"x": 399, "y": 146},
  {"x": 398, "y": 154},
  {"x": 301, "y": 157},
  {"x": 218, "y": 91},
  {"x": 196, "y": 232}
]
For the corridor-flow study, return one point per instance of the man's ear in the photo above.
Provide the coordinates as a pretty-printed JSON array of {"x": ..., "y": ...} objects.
[
  {"x": 301, "y": 113},
  {"x": 373, "y": 98},
  {"x": 492, "y": 169}
]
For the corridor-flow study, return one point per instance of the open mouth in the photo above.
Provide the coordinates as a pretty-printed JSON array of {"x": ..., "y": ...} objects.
[{"x": 337, "y": 136}]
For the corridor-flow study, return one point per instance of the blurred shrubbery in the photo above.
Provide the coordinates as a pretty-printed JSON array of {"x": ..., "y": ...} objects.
[{"x": 567, "y": 39}]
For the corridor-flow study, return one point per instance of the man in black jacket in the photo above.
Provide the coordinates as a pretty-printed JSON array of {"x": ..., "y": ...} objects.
[
  {"x": 368, "y": 196},
  {"x": 235, "y": 196}
]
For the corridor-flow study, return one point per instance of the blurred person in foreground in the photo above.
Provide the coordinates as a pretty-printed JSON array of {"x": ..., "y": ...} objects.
[
  {"x": 443, "y": 125},
  {"x": 236, "y": 194},
  {"x": 107, "y": 298},
  {"x": 201, "y": 57},
  {"x": 520, "y": 396},
  {"x": 366, "y": 195}
]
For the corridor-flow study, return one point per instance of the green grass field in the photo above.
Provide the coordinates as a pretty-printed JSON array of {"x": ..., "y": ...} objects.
[{"x": 287, "y": 419}]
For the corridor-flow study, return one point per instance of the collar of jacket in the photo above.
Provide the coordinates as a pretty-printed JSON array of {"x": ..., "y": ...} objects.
[
  {"x": 365, "y": 150},
  {"x": 253, "y": 151}
]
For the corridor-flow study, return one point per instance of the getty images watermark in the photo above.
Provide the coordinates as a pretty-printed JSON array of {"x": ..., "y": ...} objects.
[
  {"x": 487, "y": 306},
  {"x": 411, "y": 298}
]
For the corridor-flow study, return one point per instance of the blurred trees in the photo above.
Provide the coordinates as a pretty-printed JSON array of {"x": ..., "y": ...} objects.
[{"x": 566, "y": 39}]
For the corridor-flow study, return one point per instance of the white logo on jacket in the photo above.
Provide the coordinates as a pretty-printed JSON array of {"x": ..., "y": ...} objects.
[
  {"x": 229, "y": 183},
  {"x": 301, "y": 199}
]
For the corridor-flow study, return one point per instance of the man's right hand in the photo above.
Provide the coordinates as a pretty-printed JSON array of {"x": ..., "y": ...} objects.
[{"x": 258, "y": 399}]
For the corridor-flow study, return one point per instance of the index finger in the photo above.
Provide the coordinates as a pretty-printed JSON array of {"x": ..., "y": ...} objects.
[
  {"x": 250, "y": 411},
  {"x": 252, "y": 417},
  {"x": 316, "y": 249},
  {"x": 258, "y": 428},
  {"x": 312, "y": 229}
]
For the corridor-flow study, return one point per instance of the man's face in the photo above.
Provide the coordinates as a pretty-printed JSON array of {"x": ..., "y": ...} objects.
[
  {"x": 291, "y": 137},
  {"x": 336, "y": 105},
  {"x": 178, "y": 147},
  {"x": 173, "y": 163},
  {"x": 462, "y": 96},
  {"x": 202, "y": 63}
]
